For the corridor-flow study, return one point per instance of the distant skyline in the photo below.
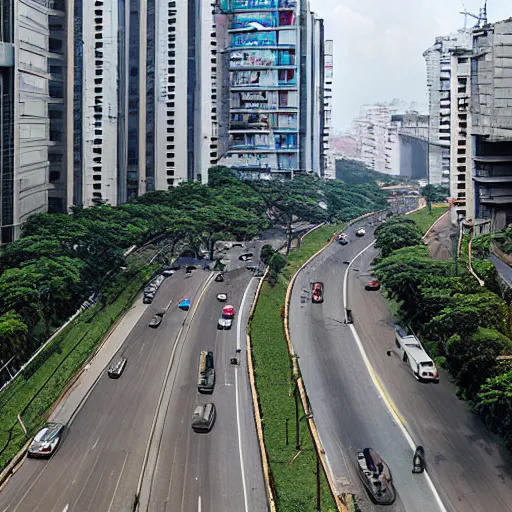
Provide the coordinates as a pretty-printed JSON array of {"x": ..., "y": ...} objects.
[{"x": 378, "y": 47}]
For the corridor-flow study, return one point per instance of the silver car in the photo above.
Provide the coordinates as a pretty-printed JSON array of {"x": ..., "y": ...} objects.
[
  {"x": 224, "y": 323},
  {"x": 46, "y": 440},
  {"x": 204, "y": 418}
]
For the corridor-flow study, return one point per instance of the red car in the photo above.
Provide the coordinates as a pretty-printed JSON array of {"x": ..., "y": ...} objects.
[
  {"x": 317, "y": 293},
  {"x": 372, "y": 285},
  {"x": 228, "y": 311}
]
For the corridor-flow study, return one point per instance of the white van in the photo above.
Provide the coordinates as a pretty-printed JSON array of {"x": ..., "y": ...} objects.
[{"x": 412, "y": 353}]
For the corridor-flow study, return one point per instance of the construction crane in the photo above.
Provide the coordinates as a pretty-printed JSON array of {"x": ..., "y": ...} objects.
[{"x": 481, "y": 19}]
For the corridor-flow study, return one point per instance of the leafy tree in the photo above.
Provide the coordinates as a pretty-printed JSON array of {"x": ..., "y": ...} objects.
[
  {"x": 12, "y": 335},
  {"x": 473, "y": 359},
  {"x": 276, "y": 264},
  {"x": 435, "y": 193},
  {"x": 494, "y": 405},
  {"x": 393, "y": 236},
  {"x": 266, "y": 253}
]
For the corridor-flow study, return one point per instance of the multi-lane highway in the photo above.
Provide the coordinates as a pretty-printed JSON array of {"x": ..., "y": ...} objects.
[
  {"x": 107, "y": 456},
  {"x": 467, "y": 469}
]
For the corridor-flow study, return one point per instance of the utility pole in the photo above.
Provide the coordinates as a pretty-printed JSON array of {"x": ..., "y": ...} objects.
[{"x": 318, "y": 487}]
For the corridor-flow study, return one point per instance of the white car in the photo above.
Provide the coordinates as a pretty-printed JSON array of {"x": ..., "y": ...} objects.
[
  {"x": 361, "y": 232},
  {"x": 224, "y": 323},
  {"x": 46, "y": 440},
  {"x": 222, "y": 297}
]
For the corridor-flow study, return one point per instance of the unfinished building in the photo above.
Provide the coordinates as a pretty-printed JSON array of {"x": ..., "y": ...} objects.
[{"x": 491, "y": 119}]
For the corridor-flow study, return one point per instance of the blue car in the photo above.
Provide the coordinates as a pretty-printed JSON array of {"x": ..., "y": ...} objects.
[{"x": 184, "y": 304}]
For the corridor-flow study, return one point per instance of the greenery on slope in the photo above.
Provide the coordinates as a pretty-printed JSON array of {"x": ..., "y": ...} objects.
[{"x": 467, "y": 327}]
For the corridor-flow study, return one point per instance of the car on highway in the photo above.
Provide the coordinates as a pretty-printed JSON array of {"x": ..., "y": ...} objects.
[
  {"x": 168, "y": 272},
  {"x": 206, "y": 375},
  {"x": 219, "y": 278},
  {"x": 342, "y": 239},
  {"x": 361, "y": 232},
  {"x": 372, "y": 285},
  {"x": 46, "y": 441},
  {"x": 116, "y": 370},
  {"x": 157, "y": 319},
  {"x": 222, "y": 297},
  {"x": 317, "y": 293},
  {"x": 228, "y": 311},
  {"x": 204, "y": 418},
  {"x": 224, "y": 323},
  {"x": 376, "y": 477},
  {"x": 246, "y": 257},
  {"x": 184, "y": 305}
]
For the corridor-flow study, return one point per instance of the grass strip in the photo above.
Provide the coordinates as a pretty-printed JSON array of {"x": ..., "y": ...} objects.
[
  {"x": 293, "y": 476},
  {"x": 424, "y": 219},
  {"x": 34, "y": 392}
]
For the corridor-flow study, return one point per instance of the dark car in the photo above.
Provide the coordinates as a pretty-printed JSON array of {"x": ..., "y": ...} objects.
[
  {"x": 46, "y": 441},
  {"x": 157, "y": 319},
  {"x": 148, "y": 298},
  {"x": 115, "y": 371},
  {"x": 376, "y": 477},
  {"x": 204, "y": 418},
  {"x": 372, "y": 285}
]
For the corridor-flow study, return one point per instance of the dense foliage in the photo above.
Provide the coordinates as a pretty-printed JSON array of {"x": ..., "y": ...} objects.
[
  {"x": 356, "y": 173},
  {"x": 396, "y": 233},
  {"x": 61, "y": 258},
  {"x": 463, "y": 324}
]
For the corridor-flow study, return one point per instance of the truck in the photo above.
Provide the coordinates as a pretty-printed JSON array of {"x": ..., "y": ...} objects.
[
  {"x": 206, "y": 375},
  {"x": 413, "y": 354}
]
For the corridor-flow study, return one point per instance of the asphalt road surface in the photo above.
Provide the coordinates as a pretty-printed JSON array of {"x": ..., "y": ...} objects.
[
  {"x": 439, "y": 241},
  {"x": 98, "y": 463},
  {"x": 349, "y": 411},
  {"x": 471, "y": 470},
  {"x": 221, "y": 470}
]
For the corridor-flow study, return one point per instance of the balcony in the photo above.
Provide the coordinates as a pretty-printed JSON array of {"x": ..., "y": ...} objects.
[{"x": 229, "y": 6}]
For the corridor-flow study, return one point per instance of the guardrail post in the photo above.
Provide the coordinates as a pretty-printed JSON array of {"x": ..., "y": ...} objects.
[{"x": 20, "y": 421}]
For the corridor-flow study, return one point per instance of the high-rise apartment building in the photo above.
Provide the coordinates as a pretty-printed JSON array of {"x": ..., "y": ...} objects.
[
  {"x": 32, "y": 96},
  {"x": 329, "y": 163},
  {"x": 439, "y": 66},
  {"x": 272, "y": 86},
  {"x": 376, "y": 134}
]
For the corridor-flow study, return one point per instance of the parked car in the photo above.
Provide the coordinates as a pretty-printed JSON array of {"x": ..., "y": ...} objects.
[
  {"x": 246, "y": 257},
  {"x": 361, "y": 232},
  {"x": 317, "y": 293},
  {"x": 224, "y": 323},
  {"x": 46, "y": 441},
  {"x": 376, "y": 477},
  {"x": 168, "y": 272},
  {"x": 204, "y": 418},
  {"x": 228, "y": 311},
  {"x": 148, "y": 298},
  {"x": 116, "y": 370},
  {"x": 157, "y": 319},
  {"x": 372, "y": 285},
  {"x": 222, "y": 297}
]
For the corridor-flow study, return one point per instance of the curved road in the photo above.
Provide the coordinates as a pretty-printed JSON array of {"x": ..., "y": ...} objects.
[
  {"x": 98, "y": 465},
  {"x": 470, "y": 470},
  {"x": 349, "y": 411}
]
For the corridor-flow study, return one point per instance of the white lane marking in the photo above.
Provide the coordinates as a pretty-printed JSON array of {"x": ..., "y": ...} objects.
[
  {"x": 199, "y": 504},
  {"x": 239, "y": 323},
  {"x": 345, "y": 280},
  {"x": 95, "y": 444},
  {"x": 65, "y": 508},
  {"x": 118, "y": 481},
  {"x": 237, "y": 400},
  {"x": 377, "y": 384}
]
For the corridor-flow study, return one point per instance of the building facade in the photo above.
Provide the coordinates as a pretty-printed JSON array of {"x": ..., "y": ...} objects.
[
  {"x": 439, "y": 68},
  {"x": 329, "y": 162},
  {"x": 272, "y": 84},
  {"x": 491, "y": 126},
  {"x": 376, "y": 134}
]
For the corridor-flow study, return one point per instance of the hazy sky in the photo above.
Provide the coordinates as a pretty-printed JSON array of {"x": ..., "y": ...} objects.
[{"x": 378, "y": 46}]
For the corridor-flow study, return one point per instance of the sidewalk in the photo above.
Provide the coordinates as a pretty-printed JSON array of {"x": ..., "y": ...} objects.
[{"x": 77, "y": 393}]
